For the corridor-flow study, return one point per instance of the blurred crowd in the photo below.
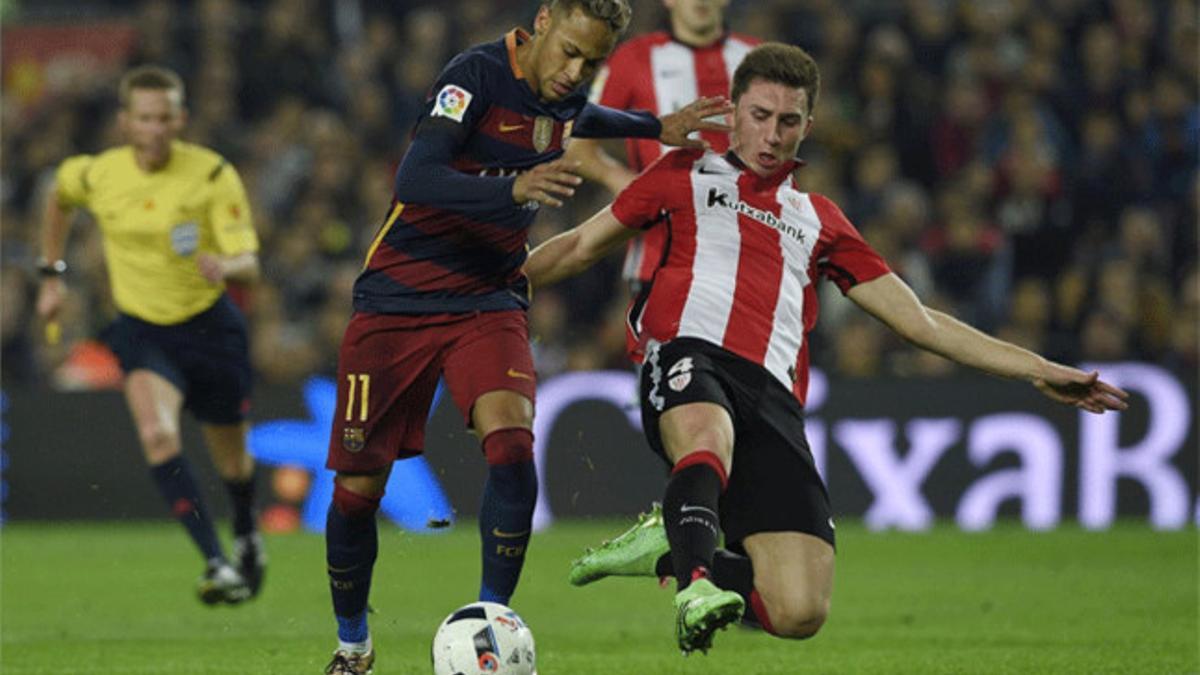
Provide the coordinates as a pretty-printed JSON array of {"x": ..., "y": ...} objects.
[{"x": 1028, "y": 166}]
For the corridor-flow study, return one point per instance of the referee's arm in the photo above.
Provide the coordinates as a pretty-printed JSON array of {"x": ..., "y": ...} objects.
[
  {"x": 242, "y": 268},
  {"x": 56, "y": 227}
]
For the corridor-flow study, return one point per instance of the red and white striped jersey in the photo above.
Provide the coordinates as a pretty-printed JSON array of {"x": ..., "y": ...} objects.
[
  {"x": 657, "y": 73},
  {"x": 743, "y": 255}
]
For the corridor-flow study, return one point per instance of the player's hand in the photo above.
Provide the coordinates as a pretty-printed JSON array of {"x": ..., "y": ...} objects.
[
  {"x": 211, "y": 267},
  {"x": 1085, "y": 391},
  {"x": 677, "y": 125},
  {"x": 51, "y": 294},
  {"x": 545, "y": 183}
]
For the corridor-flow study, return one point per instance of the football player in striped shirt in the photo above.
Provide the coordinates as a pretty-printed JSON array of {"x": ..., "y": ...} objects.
[
  {"x": 441, "y": 293},
  {"x": 723, "y": 331},
  {"x": 661, "y": 71},
  {"x": 176, "y": 227}
]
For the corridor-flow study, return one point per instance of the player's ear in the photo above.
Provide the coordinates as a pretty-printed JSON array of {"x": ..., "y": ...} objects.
[
  {"x": 541, "y": 22},
  {"x": 808, "y": 125}
]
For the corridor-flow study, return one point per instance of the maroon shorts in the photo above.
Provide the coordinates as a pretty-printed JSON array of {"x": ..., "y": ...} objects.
[{"x": 388, "y": 369}]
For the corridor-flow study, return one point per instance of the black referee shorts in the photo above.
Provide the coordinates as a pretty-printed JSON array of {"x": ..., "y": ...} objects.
[
  {"x": 774, "y": 485},
  {"x": 206, "y": 357}
]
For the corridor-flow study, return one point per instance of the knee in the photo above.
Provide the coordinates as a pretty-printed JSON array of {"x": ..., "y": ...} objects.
[
  {"x": 798, "y": 618},
  {"x": 160, "y": 442},
  {"x": 355, "y": 504}
]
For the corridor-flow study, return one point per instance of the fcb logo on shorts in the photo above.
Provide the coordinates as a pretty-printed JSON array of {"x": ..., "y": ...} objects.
[{"x": 353, "y": 439}]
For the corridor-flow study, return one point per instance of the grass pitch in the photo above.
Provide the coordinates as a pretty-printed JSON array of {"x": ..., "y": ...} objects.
[{"x": 117, "y": 598}]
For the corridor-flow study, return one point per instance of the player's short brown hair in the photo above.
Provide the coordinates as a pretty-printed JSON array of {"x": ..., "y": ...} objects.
[
  {"x": 788, "y": 65},
  {"x": 149, "y": 77},
  {"x": 616, "y": 13}
]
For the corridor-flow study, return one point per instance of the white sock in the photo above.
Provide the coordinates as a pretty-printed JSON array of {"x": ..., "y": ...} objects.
[{"x": 355, "y": 647}]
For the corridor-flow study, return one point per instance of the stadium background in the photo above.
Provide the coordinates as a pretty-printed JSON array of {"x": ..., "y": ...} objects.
[{"x": 1030, "y": 167}]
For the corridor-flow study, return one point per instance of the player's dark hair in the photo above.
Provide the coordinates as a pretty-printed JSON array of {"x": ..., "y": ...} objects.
[
  {"x": 788, "y": 65},
  {"x": 616, "y": 13},
  {"x": 148, "y": 77}
]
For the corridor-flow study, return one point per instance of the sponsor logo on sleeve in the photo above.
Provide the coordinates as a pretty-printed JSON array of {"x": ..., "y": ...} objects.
[{"x": 451, "y": 102}]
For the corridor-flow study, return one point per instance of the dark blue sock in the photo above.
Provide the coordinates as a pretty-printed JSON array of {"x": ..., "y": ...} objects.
[
  {"x": 178, "y": 487},
  {"x": 506, "y": 514},
  {"x": 241, "y": 493},
  {"x": 351, "y": 545}
]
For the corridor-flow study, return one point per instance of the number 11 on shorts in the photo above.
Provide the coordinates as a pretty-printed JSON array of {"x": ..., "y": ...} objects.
[{"x": 362, "y": 383}]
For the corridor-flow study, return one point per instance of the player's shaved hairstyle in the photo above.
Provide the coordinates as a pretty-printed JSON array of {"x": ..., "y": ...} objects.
[
  {"x": 788, "y": 65},
  {"x": 150, "y": 77},
  {"x": 616, "y": 13}
]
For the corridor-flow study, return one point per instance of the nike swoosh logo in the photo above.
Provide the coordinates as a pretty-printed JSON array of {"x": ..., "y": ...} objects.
[
  {"x": 709, "y": 172},
  {"x": 518, "y": 374},
  {"x": 508, "y": 535},
  {"x": 341, "y": 570},
  {"x": 687, "y": 509},
  {"x": 505, "y": 128}
]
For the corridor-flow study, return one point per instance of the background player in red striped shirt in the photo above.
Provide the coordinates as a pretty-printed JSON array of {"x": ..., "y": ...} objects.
[
  {"x": 441, "y": 293},
  {"x": 723, "y": 330},
  {"x": 661, "y": 72}
]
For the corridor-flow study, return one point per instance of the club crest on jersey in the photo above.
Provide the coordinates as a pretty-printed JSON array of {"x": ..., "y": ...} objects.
[
  {"x": 543, "y": 133},
  {"x": 567, "y": 133},
  {"x": 451, "y": 102},
  {"x": 185, "y": 238},
  {"x": 353, "y": 439}
]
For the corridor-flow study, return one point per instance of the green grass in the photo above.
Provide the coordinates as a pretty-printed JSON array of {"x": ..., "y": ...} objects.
[{"x": 117, "y": 599}]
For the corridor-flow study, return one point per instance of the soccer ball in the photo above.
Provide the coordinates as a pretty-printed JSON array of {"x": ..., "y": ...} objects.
[{"x": 483, "y": 638}]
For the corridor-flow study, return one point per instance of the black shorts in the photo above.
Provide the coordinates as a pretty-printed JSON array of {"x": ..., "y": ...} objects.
[
  {"x": 206, "y": 357},
  {"x": 774, "y": 485}
]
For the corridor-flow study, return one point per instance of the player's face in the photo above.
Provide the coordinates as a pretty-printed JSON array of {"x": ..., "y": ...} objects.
[
  {"x": 698, "y": 16},
  {"x": 570, "y": 47},
  {"x": 151, "y": 120},
  {"x": 770, "y": 120}
]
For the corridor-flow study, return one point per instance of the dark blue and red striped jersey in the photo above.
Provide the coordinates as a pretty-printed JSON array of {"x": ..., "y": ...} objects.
[{"x": 454, "y": 241}]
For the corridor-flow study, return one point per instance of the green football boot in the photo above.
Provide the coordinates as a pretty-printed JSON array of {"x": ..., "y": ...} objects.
[
  {"x": 702, "y": 608},
  {"x": 632, "y": 554}
]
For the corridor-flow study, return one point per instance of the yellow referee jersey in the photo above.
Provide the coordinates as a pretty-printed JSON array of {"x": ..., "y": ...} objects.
[{"x": 155, "y": 224}]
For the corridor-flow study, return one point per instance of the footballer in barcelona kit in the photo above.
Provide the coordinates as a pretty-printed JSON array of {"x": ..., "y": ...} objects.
[{"x": 442, "y": 292}]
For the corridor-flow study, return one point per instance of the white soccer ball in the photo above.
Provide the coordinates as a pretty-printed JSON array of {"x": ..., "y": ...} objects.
[{"x": 483, "y": 638}]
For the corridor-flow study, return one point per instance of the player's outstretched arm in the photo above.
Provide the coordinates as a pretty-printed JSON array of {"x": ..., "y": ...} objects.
[
  {"x": 595, "y": 164},
  {"x": 693, "y": 117},
  {"x": 890, "y": 300},
  {"x": 577, "y": 249}
]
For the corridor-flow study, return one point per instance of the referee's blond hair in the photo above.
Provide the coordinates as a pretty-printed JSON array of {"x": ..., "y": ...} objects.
[{"x": 150, "y": 77}]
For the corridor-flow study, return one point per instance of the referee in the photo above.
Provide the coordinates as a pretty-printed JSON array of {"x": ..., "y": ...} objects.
[{"x": 176, "y": 227}]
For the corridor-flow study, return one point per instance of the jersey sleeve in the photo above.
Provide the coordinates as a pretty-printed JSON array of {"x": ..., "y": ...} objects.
[
  {"x": 847, "y": 259},
  {"x": 459, "y": 94},
  {"x": 71, "y": 181},
  {"x": 642, "y": 202},
  {"x": 229, "y": 213},
  {"x": 457, "y": 103}
]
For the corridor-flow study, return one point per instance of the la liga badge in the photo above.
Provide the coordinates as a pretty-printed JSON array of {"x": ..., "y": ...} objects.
[{"x": 451, "y": 102}]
